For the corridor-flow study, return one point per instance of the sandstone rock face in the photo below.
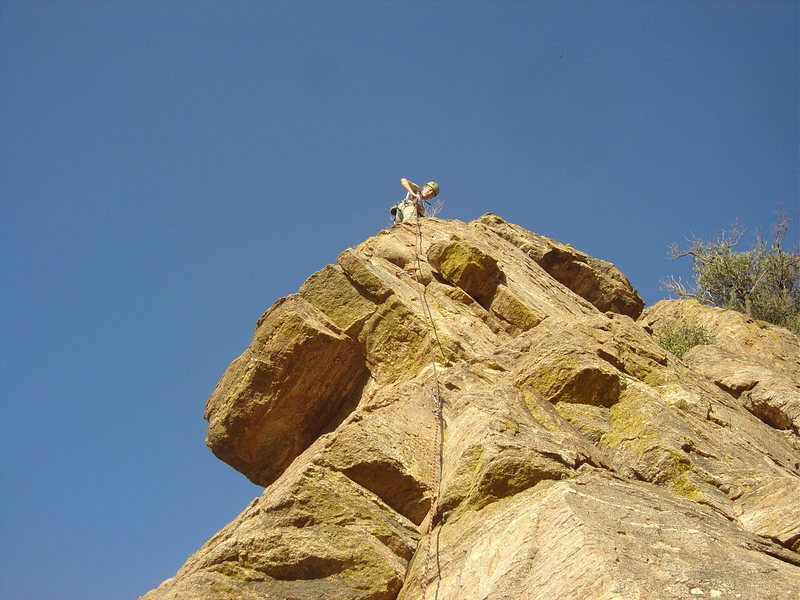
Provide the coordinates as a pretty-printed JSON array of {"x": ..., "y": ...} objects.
[
  {"x": 573, "y": 457},
  {"x": 598, "y": 281},
  {"x": 754, "y": 361}
]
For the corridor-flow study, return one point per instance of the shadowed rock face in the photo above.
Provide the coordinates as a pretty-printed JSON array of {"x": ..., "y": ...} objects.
[{"x": 579, "y": 458}]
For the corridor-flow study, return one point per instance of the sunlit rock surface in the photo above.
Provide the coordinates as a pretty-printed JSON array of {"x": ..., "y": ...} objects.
[{"x": 579, "y": 458}]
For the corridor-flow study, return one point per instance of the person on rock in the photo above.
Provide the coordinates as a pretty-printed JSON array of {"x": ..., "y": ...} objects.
[{"x": 412, "y": 206}]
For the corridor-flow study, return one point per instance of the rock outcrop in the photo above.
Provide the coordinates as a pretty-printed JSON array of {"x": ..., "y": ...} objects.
[{"x": 574, "y": 457}]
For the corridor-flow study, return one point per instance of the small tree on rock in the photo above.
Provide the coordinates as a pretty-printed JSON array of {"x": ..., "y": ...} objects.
[{"x": 762, "y": 282}]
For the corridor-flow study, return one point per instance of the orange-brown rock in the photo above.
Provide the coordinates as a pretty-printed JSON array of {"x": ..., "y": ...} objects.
[{"x": 577, "y": 458}]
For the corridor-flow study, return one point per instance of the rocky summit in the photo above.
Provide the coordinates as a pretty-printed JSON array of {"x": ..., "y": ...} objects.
[{"x": 471, "y": 411}]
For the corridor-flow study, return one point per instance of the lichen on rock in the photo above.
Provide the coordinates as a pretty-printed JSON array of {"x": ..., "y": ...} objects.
[{"x": 575, "y": 457}]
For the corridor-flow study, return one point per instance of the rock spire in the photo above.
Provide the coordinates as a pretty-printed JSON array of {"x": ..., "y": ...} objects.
[{"x": 579, "y": 459}]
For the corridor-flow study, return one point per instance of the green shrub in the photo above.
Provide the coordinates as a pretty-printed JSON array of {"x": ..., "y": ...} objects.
[
  {"x": 762, "y": 282},
  {"x": 680, "y": 337}
]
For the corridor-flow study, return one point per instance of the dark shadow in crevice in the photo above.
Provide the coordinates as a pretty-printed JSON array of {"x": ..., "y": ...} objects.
[
  {"x": 349, "y": 405},
  {"x": 399, "y": 490}
]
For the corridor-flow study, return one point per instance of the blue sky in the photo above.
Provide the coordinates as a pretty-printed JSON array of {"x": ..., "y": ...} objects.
[{"x": 169, "y": 169}]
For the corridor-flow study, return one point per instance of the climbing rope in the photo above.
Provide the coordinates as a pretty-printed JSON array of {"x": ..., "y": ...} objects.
[
  {"x": 438, "y": 407},
  {"x": 426, "y": 309},
  {"x": 438, "y": 403}
]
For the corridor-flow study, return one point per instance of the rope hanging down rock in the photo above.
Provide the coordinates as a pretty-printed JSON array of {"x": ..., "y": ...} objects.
[
  {"x": 430, "y": 551},
  {"x": 438, "y": 407}
]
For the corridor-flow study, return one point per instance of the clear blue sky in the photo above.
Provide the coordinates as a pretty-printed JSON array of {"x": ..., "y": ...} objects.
[{"x": 169, "y": 169}]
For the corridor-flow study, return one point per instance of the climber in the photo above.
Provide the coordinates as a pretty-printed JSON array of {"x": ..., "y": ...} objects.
[{"x": 412, "y": 206}]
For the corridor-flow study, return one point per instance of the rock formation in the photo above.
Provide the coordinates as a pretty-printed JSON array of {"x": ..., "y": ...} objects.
[{"x": 574, "y": 457}]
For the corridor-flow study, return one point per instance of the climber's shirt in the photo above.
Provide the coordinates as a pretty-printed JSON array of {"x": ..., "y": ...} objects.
[{"x": 407, "y": 209}]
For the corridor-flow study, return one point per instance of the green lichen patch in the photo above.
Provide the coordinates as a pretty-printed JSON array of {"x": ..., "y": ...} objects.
[
  {"x": 540, "y": 413},
  {"x": 630, "y": 349},
  {"x": 332, "y": 293},
  {"x": 639, "y": 440},
  {"x": 376, "y": 576},
  {"x": 591, "y": 421},
  {"x": 512, "y": 310},
  {"x": 397, "y": 341},
  {"x": 634, "y": 422},
  {"x": 459, "y": 295},
  {"x": 469, "y": 268},
  {"x": 674, "y": 470},
  {"x": 507, "y": 426},
  {"x": 507, "y": 474},
  {"x": 645, "y": 369},
  {"x": 576, "y": 377},
  {"x": 490, "y": 472}
]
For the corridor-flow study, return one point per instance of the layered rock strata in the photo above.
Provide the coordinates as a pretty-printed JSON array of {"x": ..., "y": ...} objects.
[{"x": 579, "y": 459}]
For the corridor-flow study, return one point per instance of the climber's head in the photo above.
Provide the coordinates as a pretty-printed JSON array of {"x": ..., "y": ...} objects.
[{"x": 430, "y": 189}]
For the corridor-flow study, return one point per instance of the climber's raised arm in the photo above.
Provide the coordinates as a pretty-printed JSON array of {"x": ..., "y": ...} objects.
[{"x": 409, "y": 186}]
